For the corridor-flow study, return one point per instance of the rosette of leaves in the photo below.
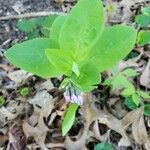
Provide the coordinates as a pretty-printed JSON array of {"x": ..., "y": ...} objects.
[{"x": 79, "y": 46}]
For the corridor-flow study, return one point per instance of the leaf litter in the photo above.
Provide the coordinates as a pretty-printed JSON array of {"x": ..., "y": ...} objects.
[{"x": 34, "y": 122}]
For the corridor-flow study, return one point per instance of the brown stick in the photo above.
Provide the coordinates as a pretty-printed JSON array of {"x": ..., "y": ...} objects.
[{"x": 31, "y": 15}]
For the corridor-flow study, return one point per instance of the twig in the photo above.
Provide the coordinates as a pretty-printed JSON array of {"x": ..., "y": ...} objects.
[
  {"x": 31, "y": 15},
  {"x": 55, "y": 145}
]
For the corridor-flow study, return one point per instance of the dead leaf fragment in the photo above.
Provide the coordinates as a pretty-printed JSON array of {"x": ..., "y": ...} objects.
[
  {"x": 47, "y": 85},
  {"x": 145, "y": 77},
  {"x": 139, "y": 132},
  {"x": 38, "y": 132},
  {"x": 17, "y": 140},
  {"x": 44, "y": 100},
  {"x": 19, "y": 76}
]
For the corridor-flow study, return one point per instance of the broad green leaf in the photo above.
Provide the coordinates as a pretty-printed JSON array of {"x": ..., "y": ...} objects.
[
  {"x": 82, "y": 27},
  {"x": 143, "y": 37},
  {"x": 115, "y": 43},
  {"x": 104, "y": 146},
  {"x": 89, "y": 76},
  {"x": 121, "y": 82},
  {"x": 128, "y": 91},
  {"x": 129, "y": 103},
  {"x": 30, "y": 56},
  {"x": 61, "y": 59},
  {"x": 55, "y": 31},
  {"x": 136, "y": 99},
  {"x": 69, "y": 118},
  {"x": 27, "y": 25},
  {"x": 130, "y": 72},
  {"x": 143, "y": 94},
  {"x": 143, "y": 20},
  {"x": 147, "y": 109}
]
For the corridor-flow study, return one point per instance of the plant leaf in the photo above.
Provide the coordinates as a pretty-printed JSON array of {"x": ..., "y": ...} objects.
[
  {"x": 30, "y": 56},
  {"x": 27, "y": 25},
  {"x": 128, "y": 91},
  {"x": 129, "y": 103},
  {"x": 89, "y": 76},
  {"x": 33, "y": 34},
  {"x": 69, "y": 118},
  {"x": 104, "y": 146},
  {"x": 121, "y": 82},
  {"x": 2, "y": 101},
  {"x": 115, "y": 43},
  {"x": 146, "y": 11},
  {"x": 147, "y": 109},
  {"x": 82, "y": 27},
  {"x": 61, "y": 59},
  {"x": 55, "y": 31},
  {"x": 130, "y": 72},
  {"x": 143, "y": 94},
  {"x": 143, "y": 37},
  {"x": 143, "y": 20},
  {"x": 75, "y": 69},
  {"x": 49, "y": 20},
  {"x": 108, "y": 81},
  {"x": 136, "y": 99}
]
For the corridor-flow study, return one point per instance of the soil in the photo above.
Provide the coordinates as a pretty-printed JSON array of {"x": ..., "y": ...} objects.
[{"x": 8, "y": 31}]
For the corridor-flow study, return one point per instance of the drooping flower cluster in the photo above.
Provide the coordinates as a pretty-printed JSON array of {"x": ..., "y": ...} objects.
[{"x": 73, "y": 95}]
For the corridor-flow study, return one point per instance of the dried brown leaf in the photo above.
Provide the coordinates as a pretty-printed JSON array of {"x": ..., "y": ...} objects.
[
  {"x": 17, "y": 140},
  {"x": 145, "y": 77},
  {"x": 19, "y": 76},
  {"x": 38, "y": 132},
  {"x": 132, "y": 116},
  {"x": 47, "y": 85},
  {"x": 3, "y": 139},
  {"x": 139, "y": 131},
  {"x": 44, "y": 100},
  {"x": 10, "y": 112},
  {"x": 88, "y": 116}
]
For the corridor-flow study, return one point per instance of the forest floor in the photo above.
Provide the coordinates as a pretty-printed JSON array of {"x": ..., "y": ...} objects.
[{"x": 34, "y": 121}]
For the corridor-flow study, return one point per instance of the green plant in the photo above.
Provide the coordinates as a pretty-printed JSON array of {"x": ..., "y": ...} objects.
[
  {"x": 69, "y": 118},
  {"x": 24, "y": 91},
  {"x": 143, "y": 20},
  {"x": 79, "y": 47},
  {"x": 36, "y": 27},
  {"x": 121, "y": 80},
  {"x": 143, "y": 38}
]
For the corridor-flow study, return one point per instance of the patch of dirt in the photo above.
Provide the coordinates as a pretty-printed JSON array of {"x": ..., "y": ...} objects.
[{"x": 9, "y": 34}]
